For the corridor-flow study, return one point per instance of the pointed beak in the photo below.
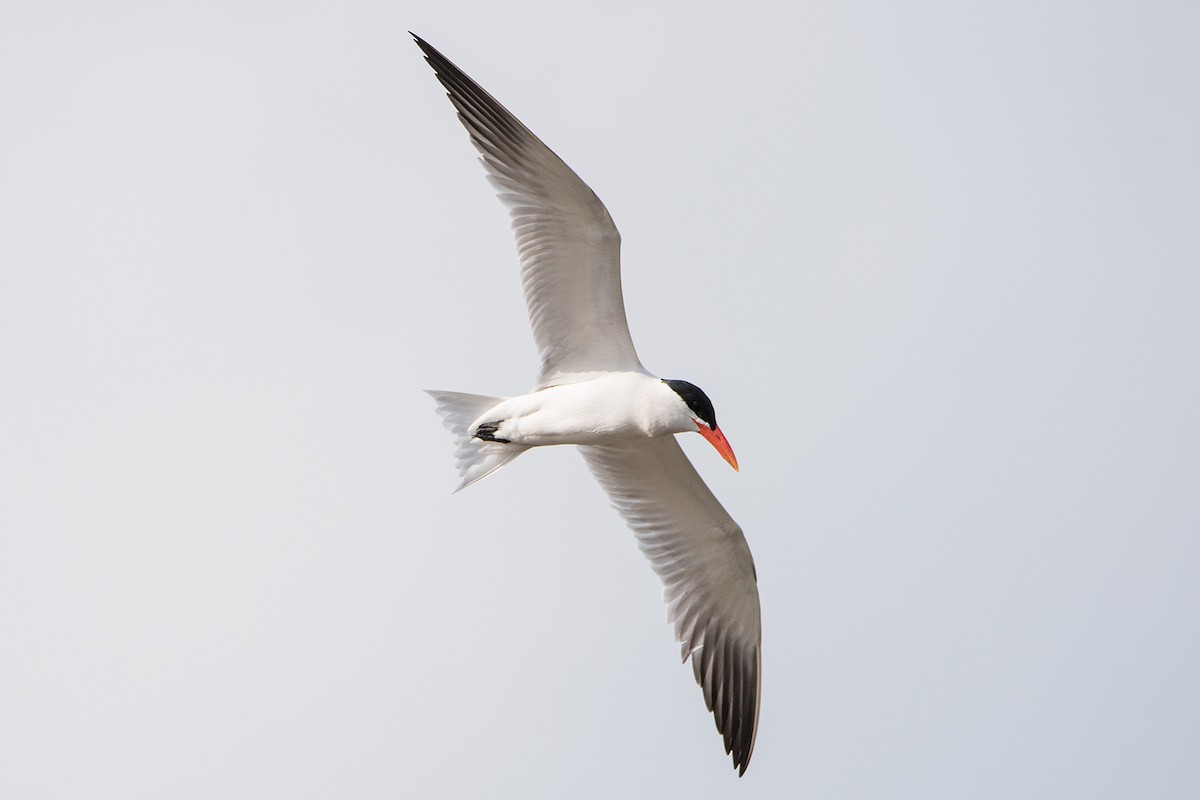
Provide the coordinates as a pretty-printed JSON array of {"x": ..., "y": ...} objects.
[{"x": 718, "y": 440}]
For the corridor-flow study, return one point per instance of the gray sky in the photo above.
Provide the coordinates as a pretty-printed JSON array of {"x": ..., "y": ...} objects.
[{"x": 937, "y": 264}]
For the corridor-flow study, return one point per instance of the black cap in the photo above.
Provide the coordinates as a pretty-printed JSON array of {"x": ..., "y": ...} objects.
[{"x": 696, "y": 400}]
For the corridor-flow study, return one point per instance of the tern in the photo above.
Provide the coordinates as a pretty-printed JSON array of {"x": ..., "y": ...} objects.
[{"x": 593, "y": 392}]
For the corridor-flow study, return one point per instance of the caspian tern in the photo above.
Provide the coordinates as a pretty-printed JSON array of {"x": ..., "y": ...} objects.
[{"x": 594, "y": 392}]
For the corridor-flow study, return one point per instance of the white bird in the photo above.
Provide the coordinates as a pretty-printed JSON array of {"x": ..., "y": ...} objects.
[{"x": 594, "y": 392}]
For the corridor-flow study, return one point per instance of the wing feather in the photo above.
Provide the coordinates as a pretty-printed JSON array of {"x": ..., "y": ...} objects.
[
  {"x": 567, "y": 244},
  {"x": 708, "y": 577}
]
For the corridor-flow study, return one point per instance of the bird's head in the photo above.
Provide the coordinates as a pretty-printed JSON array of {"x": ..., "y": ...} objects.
[{"x": 700, "y": 411}]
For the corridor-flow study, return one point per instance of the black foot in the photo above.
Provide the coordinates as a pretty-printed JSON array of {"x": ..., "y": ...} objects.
[{"x": 487, "y": 432}]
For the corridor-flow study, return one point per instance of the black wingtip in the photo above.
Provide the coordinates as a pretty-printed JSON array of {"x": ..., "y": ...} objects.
[
  {"x": 442, "y": 67},
  {"x": 432, "y": 54},
  {"x": 429, "y": 50}
]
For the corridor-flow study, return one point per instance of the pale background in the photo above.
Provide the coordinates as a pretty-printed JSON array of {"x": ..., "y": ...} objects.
[{"x": 937, "y": 264}]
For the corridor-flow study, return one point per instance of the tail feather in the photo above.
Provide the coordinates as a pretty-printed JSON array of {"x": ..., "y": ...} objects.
[{"x": 476, "y": 458}]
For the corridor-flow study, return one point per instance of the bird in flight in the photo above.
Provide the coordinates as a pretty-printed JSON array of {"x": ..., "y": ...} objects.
[{"x": 593, "y": 392}]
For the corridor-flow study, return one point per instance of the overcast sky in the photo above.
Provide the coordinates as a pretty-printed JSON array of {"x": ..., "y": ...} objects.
[{"x": 937, "y": 264}]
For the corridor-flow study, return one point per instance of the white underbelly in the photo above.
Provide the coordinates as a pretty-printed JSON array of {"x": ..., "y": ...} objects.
[{"x": 618, "y": 406}]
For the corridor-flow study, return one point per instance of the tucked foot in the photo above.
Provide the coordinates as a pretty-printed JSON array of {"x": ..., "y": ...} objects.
[{"x": 487, "y": 432}]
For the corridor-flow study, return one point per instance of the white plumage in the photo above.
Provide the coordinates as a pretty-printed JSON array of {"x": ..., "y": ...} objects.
[{"x": 592, "y": 391}]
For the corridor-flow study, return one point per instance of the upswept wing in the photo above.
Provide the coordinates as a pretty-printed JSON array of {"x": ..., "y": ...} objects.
[
  {"x": 567, "y": 244},
  {"x": 708, "y": 576}
]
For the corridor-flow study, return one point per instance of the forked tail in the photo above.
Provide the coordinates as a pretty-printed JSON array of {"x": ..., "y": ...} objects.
[{"x": 476, "y": 458}]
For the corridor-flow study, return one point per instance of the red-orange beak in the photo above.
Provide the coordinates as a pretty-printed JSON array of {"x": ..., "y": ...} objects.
[{"x": 718, "y": 440}]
